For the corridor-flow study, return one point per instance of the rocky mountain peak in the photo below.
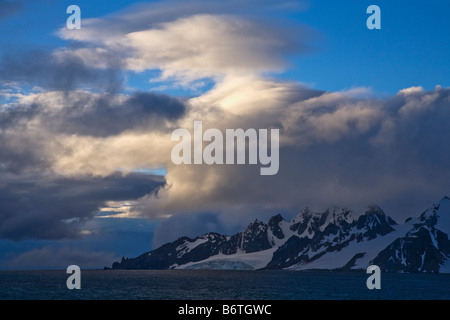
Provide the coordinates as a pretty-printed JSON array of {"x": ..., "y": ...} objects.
[
  {"x": 374, "y": 222},
  {"x": 438, "y": 215},
  {"x": 275, "y": 220},
  {"x": 274, "y": 226}
]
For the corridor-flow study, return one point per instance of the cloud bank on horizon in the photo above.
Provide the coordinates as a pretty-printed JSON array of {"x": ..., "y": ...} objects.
[{"x": 73, "y": 136}]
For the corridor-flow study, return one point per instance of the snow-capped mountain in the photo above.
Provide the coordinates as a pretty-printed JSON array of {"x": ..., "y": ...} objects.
[
  {"x": 334, "y": 239},
  {"x": 425, "y": 247},
  {"x": 331, "y": 231}
]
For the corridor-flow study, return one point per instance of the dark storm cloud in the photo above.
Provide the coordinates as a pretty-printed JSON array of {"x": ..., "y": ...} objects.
[
  {"x": 97, "y": 115},
  {"x": 21, "y": 152},
  {"x": 52, "y": 208},
  {"x": 83, "y": 114},
  {"x": 104, "y": 116},
  {"x": 64, "y": 72}
]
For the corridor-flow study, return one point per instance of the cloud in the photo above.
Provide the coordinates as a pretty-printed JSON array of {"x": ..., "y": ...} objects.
[
  {"x": 90, "y": 114},
  {"x": 44, "y": 206},
  {"x": 86, "y": 133},
  {"x": 51, "y": 71},
  {"x": 231, "y": 45},
  {"x": 37, "y": 201},
  {"x": 189, "y": 45},
  {"x": 337, "y": 149}
]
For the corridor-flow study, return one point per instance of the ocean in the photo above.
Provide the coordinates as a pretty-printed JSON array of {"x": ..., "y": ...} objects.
[{"x": 219, "y": 285}]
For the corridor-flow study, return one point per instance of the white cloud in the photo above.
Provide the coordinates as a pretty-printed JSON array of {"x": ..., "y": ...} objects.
[
  {"x": 188, "y": 46},
  {"x": 411, "y": 90},
  {"x": 417, "y": 101}
]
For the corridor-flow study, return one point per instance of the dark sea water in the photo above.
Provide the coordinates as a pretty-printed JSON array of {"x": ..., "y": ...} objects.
[{"x": 220, "y": 285}]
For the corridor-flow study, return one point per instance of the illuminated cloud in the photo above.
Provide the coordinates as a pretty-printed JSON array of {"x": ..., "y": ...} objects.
[{"x": 186, "y": 47}]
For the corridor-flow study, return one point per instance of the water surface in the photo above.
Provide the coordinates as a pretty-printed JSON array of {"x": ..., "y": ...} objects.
[{"x": 220, "y": 285}]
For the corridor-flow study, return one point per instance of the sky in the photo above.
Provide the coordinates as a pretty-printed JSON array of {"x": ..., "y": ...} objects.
[{"x": 86, "y": 118}]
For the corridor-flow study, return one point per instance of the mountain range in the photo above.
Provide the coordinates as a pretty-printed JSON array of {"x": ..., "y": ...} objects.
[{"x": 334, "y": 240}]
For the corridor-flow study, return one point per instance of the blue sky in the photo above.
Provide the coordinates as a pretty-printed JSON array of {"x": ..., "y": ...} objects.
[
  {"x": 402, "y": 54},
  {"x": 412, "y": 49}
]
